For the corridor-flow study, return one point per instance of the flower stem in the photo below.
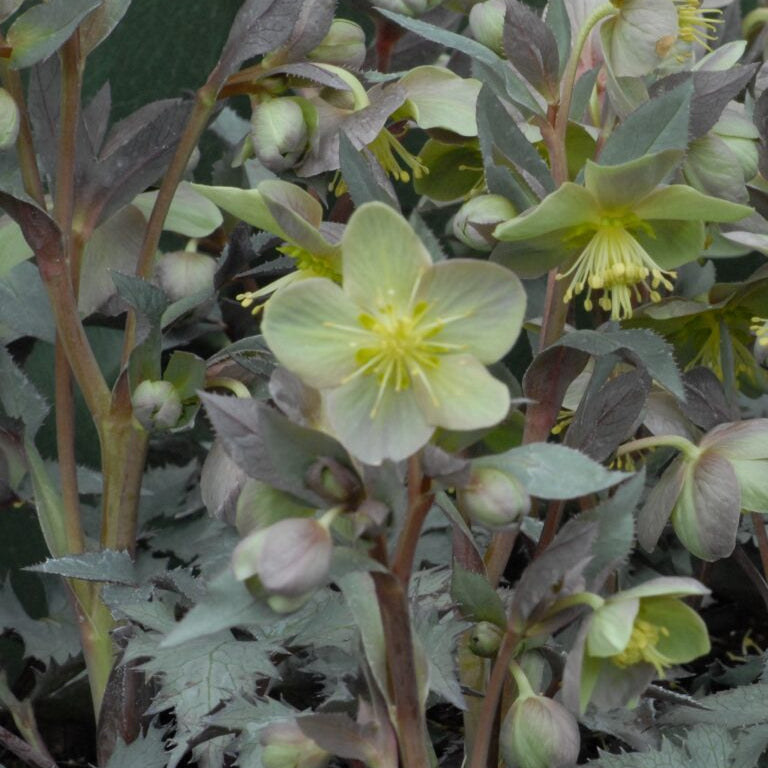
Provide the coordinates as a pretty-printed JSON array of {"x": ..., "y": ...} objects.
[{"x": 680, "y": 443}]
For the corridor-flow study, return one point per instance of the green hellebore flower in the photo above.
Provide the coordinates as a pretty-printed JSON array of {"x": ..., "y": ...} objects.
[
  {"x": 634, "y": 637},
  {"x": 627, "y": 231},
  {"x": 704, "y": 490},
  {"x": 401, "y": 347}
]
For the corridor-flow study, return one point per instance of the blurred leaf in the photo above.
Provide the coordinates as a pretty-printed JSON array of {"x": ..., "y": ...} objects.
[
  {"x": 42, "y": 29},
  {"x": 97, "y": 27},
  {"x": 20, "y": 400},
  {"x": 24, "y": 306},
  {"x": 104, "y": 565}
]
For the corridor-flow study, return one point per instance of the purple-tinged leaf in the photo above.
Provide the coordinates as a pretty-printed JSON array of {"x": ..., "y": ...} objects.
[
  {"x": 530, "y": 46},
  {"x": 260, "y": 26},
  {"x": 99, "y": 25},
  {"x": 705, "y": 404},
  {"x": 606, "y": 417},
  {"x": 311, "y": 26},
  {"x": 269, "y": 447},
  {"x": 551, "y": 373},
  {"x": 658, "y": 506}
]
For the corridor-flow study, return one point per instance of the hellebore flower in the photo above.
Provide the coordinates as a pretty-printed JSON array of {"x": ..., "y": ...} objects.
[
  {"x": 632, "y": 639},
  {"x": 627, "y": 232},
  {"x": 401, "y": 347},
  {"x": 704, "y": 490}
]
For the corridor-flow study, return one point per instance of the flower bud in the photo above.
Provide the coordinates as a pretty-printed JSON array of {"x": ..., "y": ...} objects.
[
  {"x": 285, "y": 746},
  {"x": 9, "y": 119},
  {"x": 333, "y": 481},
  {"x": 279, "y": 133},
  {"x": 538, "y": 732},
  {"x": 475, "y": 221},
  {"x": 184, "y": 273},
  {"x": 494, "y": 498},
  {"x": 156, "y": 405},
  {"x": 344, "y": 45},
  {"x": 740, "y": 136},
  {"x": 485, "y": 639},
  {"x": 486, "y": 21},
  {"x": 291, "y": 557}
]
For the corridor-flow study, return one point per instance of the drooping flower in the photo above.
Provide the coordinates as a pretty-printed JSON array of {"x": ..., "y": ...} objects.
[
  {"x": 632, "y": 639},
  {"x": 626, "y": 231},
  {"x": 401, "y": 347}
]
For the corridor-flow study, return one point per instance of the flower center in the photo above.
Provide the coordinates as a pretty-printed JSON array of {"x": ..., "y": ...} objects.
[
  {"x": 399, "y": 347},
  {"x": 642, "y": 647},
  {"x": 697, "y": 24},
  {"x": 614, "y": 262}
]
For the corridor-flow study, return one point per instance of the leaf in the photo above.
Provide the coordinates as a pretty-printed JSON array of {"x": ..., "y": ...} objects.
[
  {"x": 641, "y": 347},
  {"x": 147, "y": 751},
  {"x": 530, "y": 46},
  {"x": 13, "y": 247},
  {"x": 477, "y": 51},
  {"x": 615, "y": 520},
  {"x": 99, "y": 25},
  {"x": 557, "y": 20},
  {"x": 552, "y": 471},
  {"x": 144, "y": 297},
  {"x": 42, "y": 29},
  {"x": 659, "y": 124},
  {"x": 312, "y": 25},
  {"x": 20, "y": 400},
  {"x": 363, "y": 186},
  {"x": 739, "y": 707},
  {"x": 476, "y": 598},
  {"x": 104, "y": 565},
  {"x": 606, "y": 417},
  {"x": 705, "y": 404},
  {"x": 24, "y": 306},
  {"x": 267, "y": 446},
  {"x": 497, "y": 129},
  {"x": 439, "y": 638},
  {"x": 556, "y": 571},
  {"x": 259, "y": 26}
]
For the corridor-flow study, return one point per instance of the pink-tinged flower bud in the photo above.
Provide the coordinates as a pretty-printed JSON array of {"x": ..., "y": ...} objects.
[
  {"x": 156, "y": 405},
  {"x": 291, "y": 557},
  {"x": 279, "y": 133},
  {"x": 538, "y": 732},
  {"x": 183, "y": 273},
  {"x": 475, "y": 221},
  {"x": 485, "y": 639},
  {"x": 285, "y": 746},
  {"x": 486, "y": 21},
  {"x": 344, "y": 45},
  {"x": 494, "y": 498}
]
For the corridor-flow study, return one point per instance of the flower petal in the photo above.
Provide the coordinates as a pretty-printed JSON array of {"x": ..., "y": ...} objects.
[
  {"x": 301, "y": 326},
  {"x": 686, "y": 637},
  {"x": 752, "y": 481},
  {"x": 687, "y": 204},
  {"x": 569, "y": 206},
  {"x": 742, "y": 440},
  {"x": 621, "y": 187},
  {"x": 397, "y": 430},
  {"x": 460, "y": 394},
  {"x": 666, "y": 586},
  {"x": 611, "y": 627},
  {"x": 673, "y": 242},
  {"x": 382, "y": 258},
  {"x": 480, "y": 305}
]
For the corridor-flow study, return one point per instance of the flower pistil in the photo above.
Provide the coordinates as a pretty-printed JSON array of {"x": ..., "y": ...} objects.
[{"x": 642, "y": 647}]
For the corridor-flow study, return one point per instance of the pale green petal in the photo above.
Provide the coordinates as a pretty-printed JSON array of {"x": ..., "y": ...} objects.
[
  {"x": 460, "y": 394},
  {"x": 687, "y": 204},
  {"x": 611, "y": 627},
  {"x": 753, "y": 481},
  {"x": 618, "y": 188},
  {"x": 397, "y": 430},
  {"x": 244, "y": 204},
  {"x": 300, "y": 326},
  {"x": 480, "y": 306},
  {"x": 383, "y": 258},
  {"x": 191, "y": 214},
  {"x": 442, "y": 99},
  {"x": 567, "y": 207},
  {"x": 665, "y": 586},
  {"x": 686, "y": 636},
  {"x": 673, "y": 243},
  {"x": 630, "y": 38}
]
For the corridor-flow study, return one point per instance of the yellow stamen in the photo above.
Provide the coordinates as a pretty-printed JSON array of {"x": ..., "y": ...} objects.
[
  {"x": 760, "y": 328},
  {"x": 642, "y": 647},
  {"x": 696, "y": 25},
  {"x": 615, "y": 263}
]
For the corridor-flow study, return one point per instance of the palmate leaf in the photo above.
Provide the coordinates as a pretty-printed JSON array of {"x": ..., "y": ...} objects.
[
  {"x": 742, "y": 706},
  {"x": 147, "y": 751}
]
